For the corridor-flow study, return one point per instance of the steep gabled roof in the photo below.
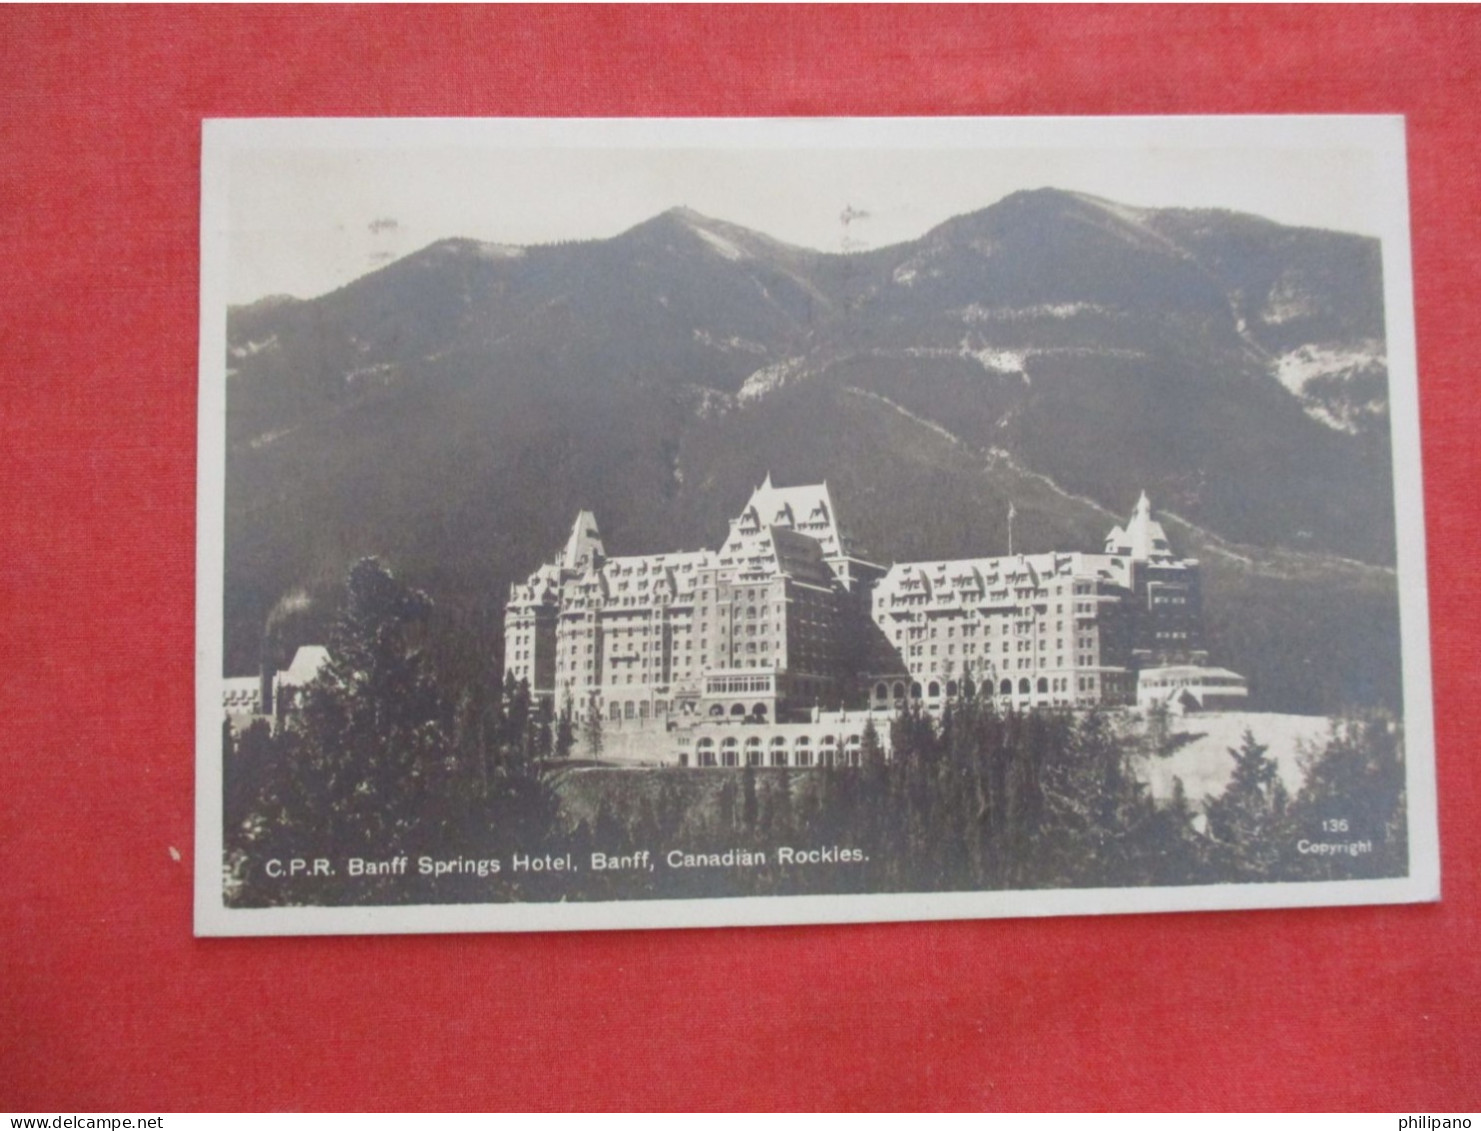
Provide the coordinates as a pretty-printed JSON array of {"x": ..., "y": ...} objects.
[
  {"x": 806, "y": 509},
  {"x": 584, "y": 546},
  {"x": 1142, "y": 538}
]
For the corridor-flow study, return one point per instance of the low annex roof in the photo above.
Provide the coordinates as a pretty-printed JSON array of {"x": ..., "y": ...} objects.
[{"x": 1189, "y": 671}]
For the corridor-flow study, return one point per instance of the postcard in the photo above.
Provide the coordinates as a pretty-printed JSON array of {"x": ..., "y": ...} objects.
[{"x": 618, "y": 524}]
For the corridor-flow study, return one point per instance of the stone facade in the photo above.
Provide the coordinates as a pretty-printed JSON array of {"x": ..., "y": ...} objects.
[
  {"x": 784, "y": 616},
  {"x": 829, "y": 738},
  {"x": 1062, "y": 629},
  {"x": 761, "y": 629}
]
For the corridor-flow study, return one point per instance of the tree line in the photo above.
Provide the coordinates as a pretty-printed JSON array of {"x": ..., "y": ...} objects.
[{"x": 377, "y": 761}]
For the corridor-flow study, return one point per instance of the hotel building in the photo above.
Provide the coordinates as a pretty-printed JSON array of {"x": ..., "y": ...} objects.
[
  {"x": 761, "y": 629},
  {"x": 785, "y": 616},
  {"x": 1061, "y": 629}
]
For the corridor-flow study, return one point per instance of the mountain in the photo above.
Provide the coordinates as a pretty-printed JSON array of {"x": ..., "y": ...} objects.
[{"x": 454, "y": 409}]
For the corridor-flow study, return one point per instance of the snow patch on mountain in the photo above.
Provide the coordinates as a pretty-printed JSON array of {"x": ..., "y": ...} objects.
[
  {"x": 499, "y": 251},
  {"x": 1289, "y": 299},
  {"x": 705, "y": 402},
  {"x": 731, "y": 344},
  {"x": 975, "y": 314},
  {"x": 719, "y": 243},
  {"x": 1344, "y": 386},
  {"x": 771, "y": 378},
  {"x": 373, "y": 374},
  {"x": 251, "y": 349},
  {"x": 914, "y": 269},
  {"x": 1133, "y": 224},
  {"x": 945, "y": 434},
  {"x": 1137, "y": 217},
  {"x": 1004, "y": 361},
  {"x": 1297, "y": 368},
  {"x": 271, "y": 436},
  {"x": 1324, "y": 415}
]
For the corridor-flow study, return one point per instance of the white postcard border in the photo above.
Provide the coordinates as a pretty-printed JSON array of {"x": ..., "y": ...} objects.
[{"x": 1383, "y": 135}]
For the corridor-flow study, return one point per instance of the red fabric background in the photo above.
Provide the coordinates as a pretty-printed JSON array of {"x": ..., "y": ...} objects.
[{"x": 107, "y": 1002}]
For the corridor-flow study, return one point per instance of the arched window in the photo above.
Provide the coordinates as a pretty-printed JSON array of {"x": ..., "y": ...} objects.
[
  {"x": 915, "y": 691},
  {"x": 778, "y": 757},
  {"x": 1024, "y": 687},
  {"x": 642, "y": 710},
  {"x": 629, "y": 709},
  {"x": 951, "y": 688},
  {"x": 758, "y": 711},
  {"x": 900, "y": 690},
  {"x": 729, "y": 758},
  {"x": 738, "y": 710},
  {"x": 969, "y": 689},
  {"x": 825, "y": 758},
  {"x": 803, "y": 740},
  {"x": 881, "y": 691},
  {"x": 717, "y": 710},
  {"x": 854, "y": 740},
  {"x": 779, "y": 740},
  {"x": 1043, "y": 685},
  {"x": 616, "y": 711},
  {"x": 1006, "y": 687},
  {"x": 934, "y": 690}
]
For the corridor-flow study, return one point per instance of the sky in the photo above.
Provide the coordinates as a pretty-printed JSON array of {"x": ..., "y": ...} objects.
[{"x": 310, "y": 205}]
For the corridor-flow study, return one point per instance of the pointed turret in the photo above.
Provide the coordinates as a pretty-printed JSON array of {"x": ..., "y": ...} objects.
[
  {"x": 1143, "y": 537},
  {"x": 584, "y": 546}
]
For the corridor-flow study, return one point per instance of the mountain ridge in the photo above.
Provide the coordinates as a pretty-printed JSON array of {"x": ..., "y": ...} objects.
[{"x": 450, "y": 409}]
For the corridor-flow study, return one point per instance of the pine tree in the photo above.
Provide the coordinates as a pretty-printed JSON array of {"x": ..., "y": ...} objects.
[
  {"x": 749, "y": 806},
  {"x": 515, "y": 741},
  {"x": 591, "y": 729},
  {"x": 541, "y": 736},
  {"x": 725, "y": 806},
  {"x": 1247, "y": 822},
  {"x": 565, "y": 734},
  {"x": 870, "y": 748},
  {"x": 1174, "y": 851},
  {"x": 371, "y": 755},
  {"x": 1354, "y": 791}
]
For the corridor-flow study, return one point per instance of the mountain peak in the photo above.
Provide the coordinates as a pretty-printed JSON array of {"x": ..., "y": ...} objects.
[
  {"x": 719, "y": 237},
  {"x": 681, "y": 216}
]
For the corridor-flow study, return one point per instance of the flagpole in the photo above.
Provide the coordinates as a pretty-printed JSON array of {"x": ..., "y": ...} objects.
[{"x": 1011, "y": 511}]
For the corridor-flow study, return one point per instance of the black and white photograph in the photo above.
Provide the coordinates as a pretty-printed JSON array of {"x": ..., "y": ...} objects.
[{"x": 614, "y": 524}]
